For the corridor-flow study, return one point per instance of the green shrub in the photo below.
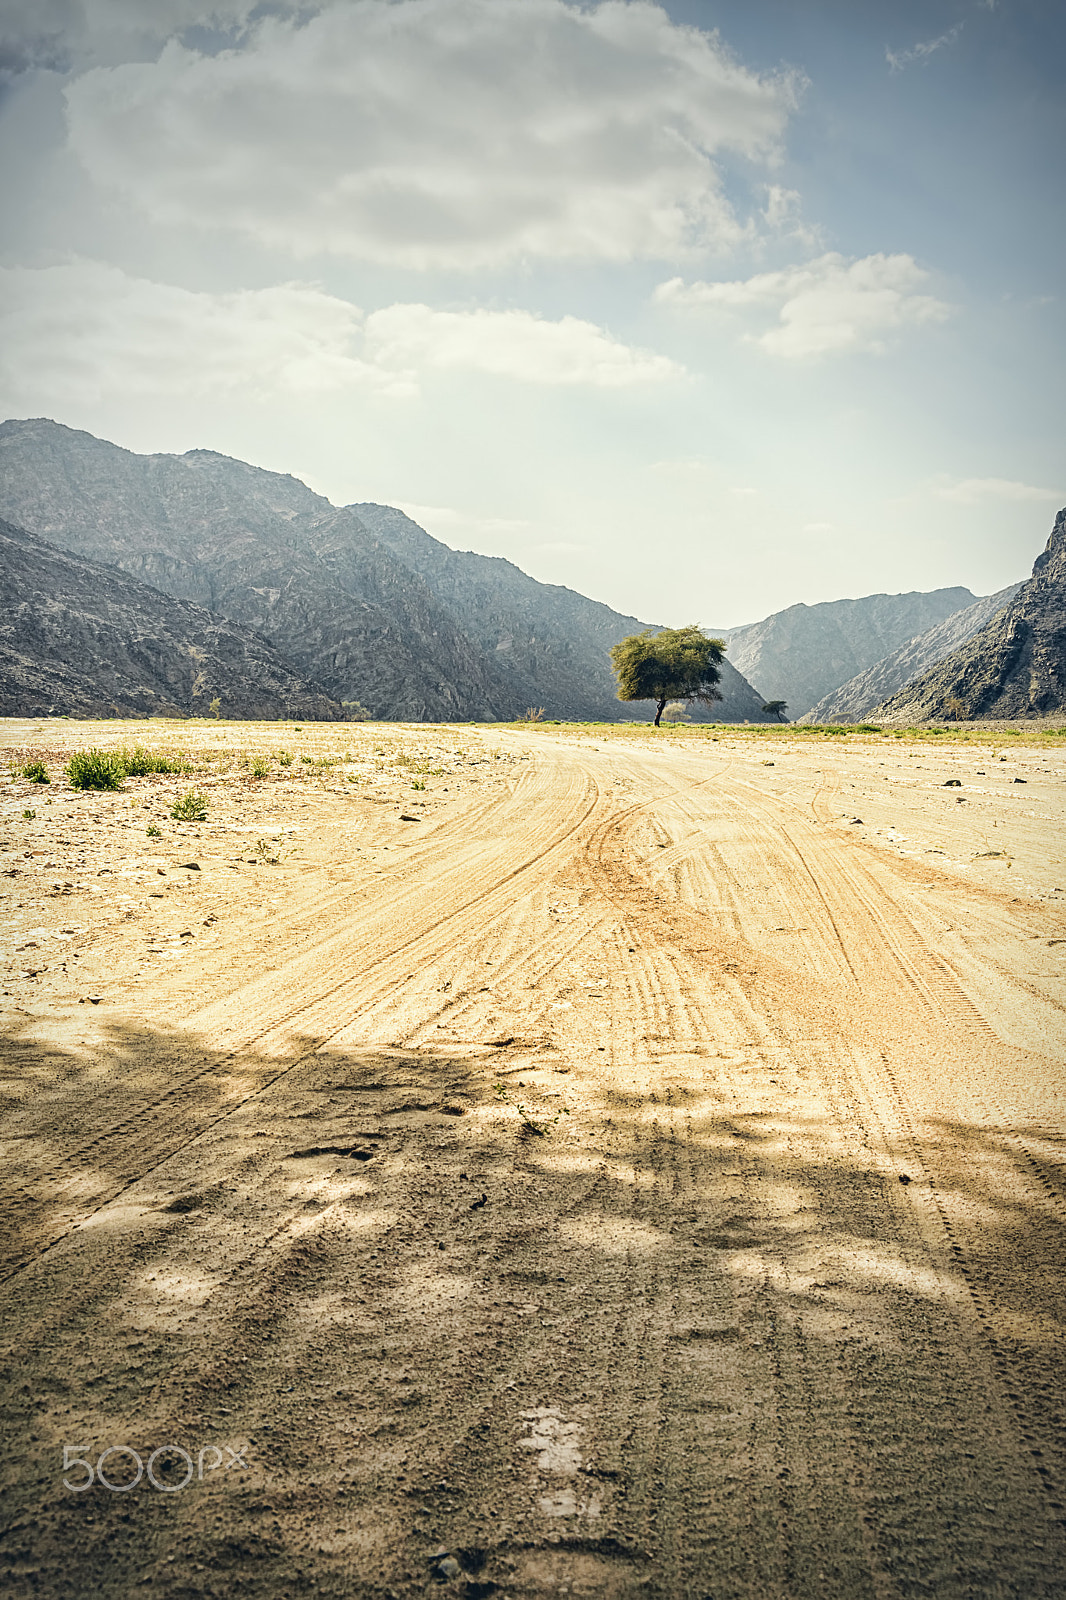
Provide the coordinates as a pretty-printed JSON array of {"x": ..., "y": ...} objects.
[
  {"x": 419, "y": 783},
  {"x": 36, "y": 772},
  {"x": 29, "y": 816},
  {"x": 285, "y": 758},
  {"x": 153, "y": 832},
  {"x": 95, "y": 769},
  {"x": 139, "y": 762},
  {"x": 191, "y": 807},
  {"x": 259, "y": 767}
]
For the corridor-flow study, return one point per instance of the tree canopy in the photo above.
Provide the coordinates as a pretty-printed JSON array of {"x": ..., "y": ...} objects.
[{"x": 675, "y": 664}]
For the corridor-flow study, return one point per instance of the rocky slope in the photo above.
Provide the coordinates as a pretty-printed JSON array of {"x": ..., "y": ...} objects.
[
  {"x": 551, "y": 643},
  {"x": 257, "y": 548},
  {"x": 81, "y": 638},
  {"x": 856, "y": 700},
  {"x": 1014, "y": 667},
  {"x": 387, "y": 616},
  {"x": 802, "y": 654}
]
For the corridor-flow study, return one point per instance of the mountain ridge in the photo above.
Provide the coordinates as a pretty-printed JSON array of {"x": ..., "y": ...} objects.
[
  {"x": 545, "y": 634},
  {"x": 265, "y": 551},
  {"x": 860, "y": 696},
  {"x": 1014, "y": 667},
  {"x": 803, "y": 653}
]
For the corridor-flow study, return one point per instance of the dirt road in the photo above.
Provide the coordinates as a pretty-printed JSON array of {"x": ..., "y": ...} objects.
[{"x": 641, "y": 1172}]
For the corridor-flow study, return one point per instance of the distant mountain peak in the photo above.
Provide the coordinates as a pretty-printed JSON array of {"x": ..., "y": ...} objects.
[{"x": 804, "y": 653}]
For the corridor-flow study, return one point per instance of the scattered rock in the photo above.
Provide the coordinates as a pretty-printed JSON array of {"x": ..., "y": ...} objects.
[
  {"x": 903, "y": 1178},
  {"x": 189, "y": 866},
  {"x": 952, "y": 783}
]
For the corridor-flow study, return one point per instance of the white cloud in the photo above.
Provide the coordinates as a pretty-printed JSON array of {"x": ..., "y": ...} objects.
[
  {"x": 898, "y": 59},
  {"x": 512, "y": 344},
  {"x": 440, "y": 133},
  {"x": 971, "y": 491},
  {"x": 828, "y": 306},
  {"x": 63, "y": 34},
  {"x": 782, "y": 215},
  {"x": 85, "y": 329}
]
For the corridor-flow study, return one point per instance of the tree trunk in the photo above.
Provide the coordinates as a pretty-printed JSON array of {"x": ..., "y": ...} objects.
[{"x": 659, "y": 709}]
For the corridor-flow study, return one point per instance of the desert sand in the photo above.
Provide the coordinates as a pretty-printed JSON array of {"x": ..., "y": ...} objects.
[{"x": 535, "y": 1161}]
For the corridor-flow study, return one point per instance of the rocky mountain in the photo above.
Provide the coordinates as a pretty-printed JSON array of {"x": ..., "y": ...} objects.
[
  {"x": 81, "y": 638},
  {"x": 257, "y": 548},
  {"x": 549, "y": 642},
  {"x": 802, "y": 654},
  {"x": 1015, "y": 666},
  {"x": 384, "y": 615},
  {"x": 856, "y": 700}
]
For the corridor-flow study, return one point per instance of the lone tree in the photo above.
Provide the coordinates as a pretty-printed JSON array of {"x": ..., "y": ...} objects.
[
  {"x": 676, "y": 664},
  {"x": 776, "y": 708}
]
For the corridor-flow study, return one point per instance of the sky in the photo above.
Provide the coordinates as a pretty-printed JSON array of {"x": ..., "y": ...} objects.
[{"x": 703, "y": 309}]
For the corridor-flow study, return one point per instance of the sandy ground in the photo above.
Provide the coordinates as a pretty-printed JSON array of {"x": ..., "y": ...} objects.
[{"x": 626, "y": 1165}]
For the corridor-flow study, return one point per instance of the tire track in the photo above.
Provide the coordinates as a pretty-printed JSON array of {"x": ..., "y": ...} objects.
[{"x": 485, "y": 901}]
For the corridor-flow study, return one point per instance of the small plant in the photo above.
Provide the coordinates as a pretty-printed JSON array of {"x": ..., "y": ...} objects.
[
  {"x": 267, "y": 851},
  {"x": 153, "y": 832},
  {"x": 285, "y": 758},
  {"x": 307, "y": 761},
  {"x": 419, "y": 783},
  {"x": 95, "y": 769},
  {"x": 139, "y": 762},
  {"x": 259, "y": 767},
  {"x": 29, "y": 816},
  {"x": 190, "y": 807},
  {"x": 542, "y": 1128},
  {"x": 36, "y": 772}
]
